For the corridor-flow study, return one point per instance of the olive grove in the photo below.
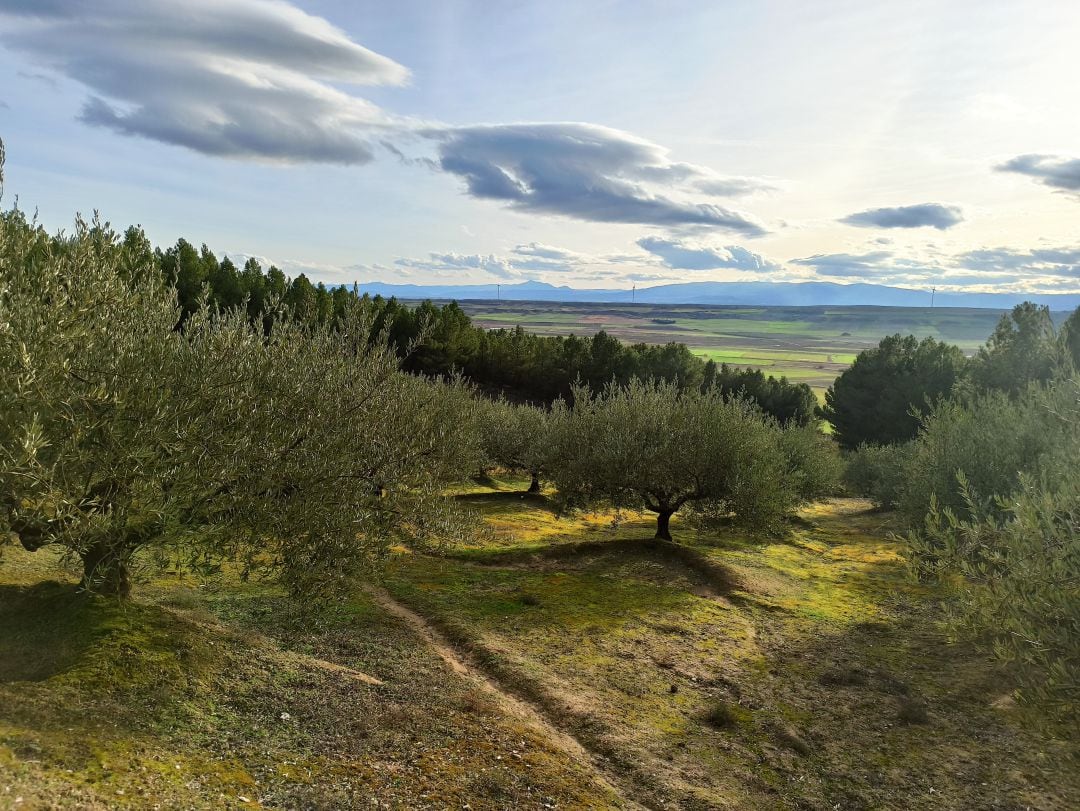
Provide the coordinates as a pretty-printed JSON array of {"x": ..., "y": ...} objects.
[{"x": 125, "y": 441}]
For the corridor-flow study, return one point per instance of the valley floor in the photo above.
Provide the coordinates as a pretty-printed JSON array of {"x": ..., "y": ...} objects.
[{"x": 558, "y": 663}]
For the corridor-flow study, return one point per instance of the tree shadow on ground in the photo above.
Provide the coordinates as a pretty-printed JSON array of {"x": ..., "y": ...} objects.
[
  {"x": 505, "y": 501},
  {"x": 891, "y": 714},
  {"x": 45, "y": 629}
]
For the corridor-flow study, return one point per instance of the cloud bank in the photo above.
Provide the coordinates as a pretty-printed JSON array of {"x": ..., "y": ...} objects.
[
  {"x": 1050, "y": 170},
  {"x": 934, "y": 215},
  {"x": 523, "y": 262},
  {"x": 1006, "y": 269},
  {"x": 239, "y": 79},
  {"x": 845, "y": 265}
]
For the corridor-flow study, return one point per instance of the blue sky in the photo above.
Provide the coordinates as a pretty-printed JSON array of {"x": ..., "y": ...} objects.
[{"x": 597, "y": 144}]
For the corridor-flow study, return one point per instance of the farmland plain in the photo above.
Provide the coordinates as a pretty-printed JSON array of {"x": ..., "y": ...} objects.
[{"x": 805, "y": 344}]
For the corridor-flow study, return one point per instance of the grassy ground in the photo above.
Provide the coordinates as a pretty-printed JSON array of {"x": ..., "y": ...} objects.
[
  {"x": 803, "y": 673},
  {"x": 797, "y": 673},
  {"x": 217, "y": 695}
]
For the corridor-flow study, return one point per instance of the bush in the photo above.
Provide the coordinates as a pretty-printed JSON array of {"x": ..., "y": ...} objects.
[
  {"x": 1014, "y": 563},
  {"x": 877, "y": 472},
  {"x": 990, "y": 438},
  {"x": 814, "y": 466}
]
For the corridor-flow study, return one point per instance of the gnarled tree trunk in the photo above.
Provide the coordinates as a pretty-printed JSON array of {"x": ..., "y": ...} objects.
[
  {"x": 105, "y": 572},
  {"x": 534, "y": 485},
  {"x": 663, "y": 524}
]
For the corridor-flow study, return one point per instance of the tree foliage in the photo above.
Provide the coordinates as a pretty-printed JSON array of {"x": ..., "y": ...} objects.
[
  {"x": 304, "y": 450},
  {"x": 1024, "y": 348},
  {"x": 990, "y": 439},
  {"x": 1018, "y": 561},
  {"x": 1070, "y": 338},
  {"x": 651, "y": 445},
  {"x": 879, "y": 399},
  {"x": 517, "y": 437},
  {"x": 813, "y": 464},
  {"x": 787, "y": 402},
  {"x": 502, "y": 362},
  {"x": 878, "y": 472}
]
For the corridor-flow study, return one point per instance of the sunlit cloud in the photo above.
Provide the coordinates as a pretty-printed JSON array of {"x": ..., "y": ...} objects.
[
  {"x": 243, "y": 79},
  {"x": 679, "y": 254}
]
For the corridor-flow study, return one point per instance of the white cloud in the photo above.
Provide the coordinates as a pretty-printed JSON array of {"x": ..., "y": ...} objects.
[
  {"x": 678, "y": 254},
  {"x": 241, "y": 79},
  {"x": 582, "y": 171},
  {"x": 988, "y": 269}
]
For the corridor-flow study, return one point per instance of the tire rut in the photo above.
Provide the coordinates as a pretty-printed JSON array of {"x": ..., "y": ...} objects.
[{"x": 507, "y": 700}]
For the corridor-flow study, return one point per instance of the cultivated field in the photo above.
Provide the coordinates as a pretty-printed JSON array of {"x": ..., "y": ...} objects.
[
  {"x": 554, "y": 663},
  {"x": 806, "y": 344}
]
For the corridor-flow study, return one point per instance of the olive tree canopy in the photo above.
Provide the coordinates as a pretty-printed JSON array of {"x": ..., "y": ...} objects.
[
  {"x": 304, "y": 451},
  {"x": 517, "y": 437},
  {"x": 649, "y": 445}
]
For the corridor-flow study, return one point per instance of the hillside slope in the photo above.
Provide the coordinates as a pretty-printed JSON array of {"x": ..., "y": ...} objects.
[{"x": 557, "y": 663}]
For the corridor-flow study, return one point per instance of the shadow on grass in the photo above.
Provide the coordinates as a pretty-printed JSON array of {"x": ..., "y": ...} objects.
[
  {"x": 895, "y": 708},
  {"x": 717, "y": 576},
  {"x": 506, "y": 501},
  {"x": 45, "y": 629}
]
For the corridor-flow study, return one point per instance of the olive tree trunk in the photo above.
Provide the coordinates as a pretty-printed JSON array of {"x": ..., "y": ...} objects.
[
  {"x": 534, "y": 485},
  {"x": 105, "y": 572},
  {"x": 663, "y": 524}
]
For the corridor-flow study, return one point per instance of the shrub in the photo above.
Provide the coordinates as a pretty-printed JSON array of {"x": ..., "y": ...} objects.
[
  {"x": 877, "y": 472},
  {"x": 991, "y": 439},
  {"x": 1013, "y": 564},
  {"x": 814, "y": 466}
]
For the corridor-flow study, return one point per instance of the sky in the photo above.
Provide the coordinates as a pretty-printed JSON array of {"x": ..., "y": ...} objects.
[{"x": 593, "y": 144}]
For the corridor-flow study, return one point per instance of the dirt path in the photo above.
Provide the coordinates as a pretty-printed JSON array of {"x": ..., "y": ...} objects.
[{"x": 504, "y": 699}]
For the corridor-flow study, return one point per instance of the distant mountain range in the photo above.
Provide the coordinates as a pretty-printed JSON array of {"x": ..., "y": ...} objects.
[{"x": 742, "y": 293}]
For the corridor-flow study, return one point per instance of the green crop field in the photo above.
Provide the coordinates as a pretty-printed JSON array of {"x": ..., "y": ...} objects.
[{"x": 808, "y": 344}]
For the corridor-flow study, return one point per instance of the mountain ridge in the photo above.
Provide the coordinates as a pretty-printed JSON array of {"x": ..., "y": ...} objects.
[{"x": 739, "y": 293}]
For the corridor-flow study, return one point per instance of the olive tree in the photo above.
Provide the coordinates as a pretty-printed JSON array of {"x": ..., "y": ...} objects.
[
  {"x": 516, "y": 437},
  {"x": 991, "y": 439},
  {"x": 649, "y": 445},
  {"x": 1013, "y": 563},
  {"x": 305, "y": 451}
]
